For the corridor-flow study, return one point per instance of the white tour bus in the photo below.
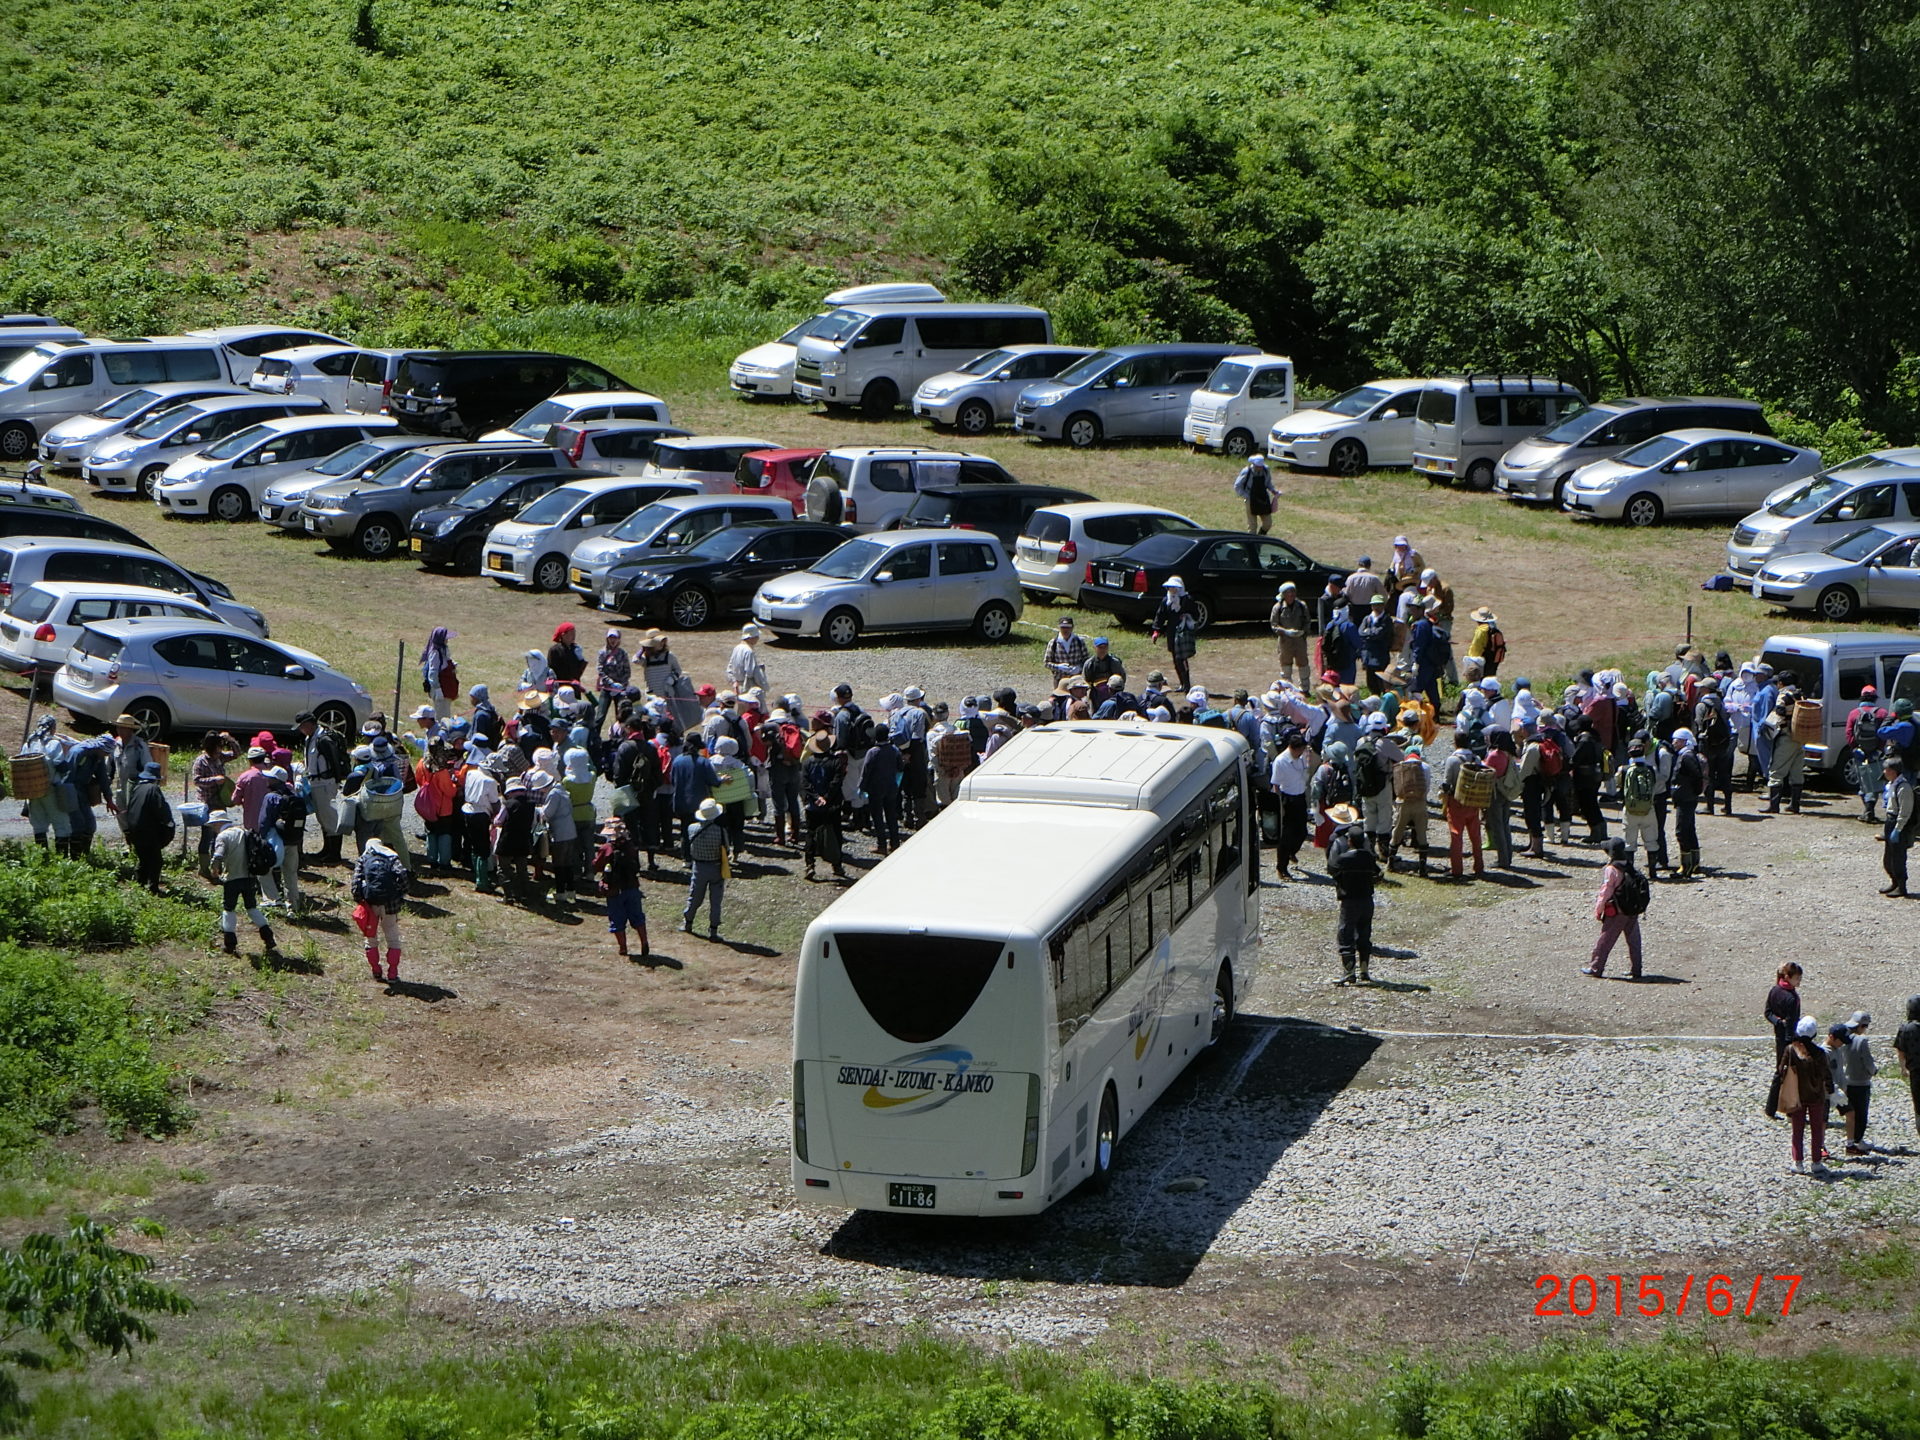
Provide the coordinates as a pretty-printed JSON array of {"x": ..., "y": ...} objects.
[{"x": 980, "y": 1020}]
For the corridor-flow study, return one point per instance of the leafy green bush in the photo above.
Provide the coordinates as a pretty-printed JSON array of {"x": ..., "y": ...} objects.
[
  {"x": 66, "y": 1040},
  {"x": 90, "y": 903},
  {"x": 1837, "y": 440}
]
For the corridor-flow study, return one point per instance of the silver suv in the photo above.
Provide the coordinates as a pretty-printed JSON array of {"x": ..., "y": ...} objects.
[{"x": 367, "y": 516}]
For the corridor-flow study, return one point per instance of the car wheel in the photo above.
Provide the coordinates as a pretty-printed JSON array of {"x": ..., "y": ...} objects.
[
  {"x": 1202, "y": 611},
  {"x": 879, "y": 398},
  {"x": 550, "y": 574},
  {"x": 1480, "y": 476},
  {"x": 1106, "y": 1140},
  {"x": 1837, "y": 602},
  {"x": 230, "y": 503},
  {"x": 973, "y": 418},
  {"x": 1238, "y": 445},
  {"x": 149, "y": 477},
  {"x": 335, "y": 717},
  {"x": 841, "y": 629},
  {"x": 16, "y": 440},
  {"x": 1082, "y": 431},
  {"x": 1642, "y": 511},
  {"x": 154, "y": 721},
  {"x": 689, "y": 607},
  {"x": 466, "y": 560},
  {"x": 376, "y": 539},
  {"x": 1223, "y": 1006},
  {"x": 994, "y": 622},
  {"x": 1349, "y": 457}
]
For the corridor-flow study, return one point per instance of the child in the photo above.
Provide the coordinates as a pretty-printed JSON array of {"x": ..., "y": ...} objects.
[
  {"x": 617, "y": 863},
  {"x": 380, "y": 881},
  {"x": 1860, "y": 1067}
]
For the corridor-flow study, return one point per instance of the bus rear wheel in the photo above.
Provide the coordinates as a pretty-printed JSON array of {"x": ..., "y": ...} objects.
[{"x": 1106, "y": 1140}]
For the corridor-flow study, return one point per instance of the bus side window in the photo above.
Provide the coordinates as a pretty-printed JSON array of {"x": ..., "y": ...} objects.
[{"x": 1224, "y": 807}]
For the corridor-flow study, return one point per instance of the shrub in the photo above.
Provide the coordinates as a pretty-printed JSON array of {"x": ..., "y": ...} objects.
[{"x": 90, "y": 903}]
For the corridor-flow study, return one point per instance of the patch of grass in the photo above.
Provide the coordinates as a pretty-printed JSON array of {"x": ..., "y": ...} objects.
[
  {"x": 1891, "y": 1261},
  {"x": 91, "y": 903}
]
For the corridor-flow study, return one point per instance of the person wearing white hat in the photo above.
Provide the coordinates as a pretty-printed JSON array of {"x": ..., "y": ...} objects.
[
  {"x": 1404, "y": 565},
  {"x": 744, "y": 670},
  {"x": 1374, "y": 758},
  {"x": 1175, "y": 622},
  {"x": 909, "y": 726},
  {"x": 709, "y": 857},
  {"x": 1289, "y": 622},
  {"x": 1257, "y": 491}
]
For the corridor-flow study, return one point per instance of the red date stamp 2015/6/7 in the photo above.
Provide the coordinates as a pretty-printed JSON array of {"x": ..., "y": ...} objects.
[{"x": 1657, "y": 1295}]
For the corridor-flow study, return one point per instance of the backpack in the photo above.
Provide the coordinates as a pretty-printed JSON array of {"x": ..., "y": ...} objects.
[
  {"x": 1716, "y": 731},
  {"x": 379, "y": 880},
  {"x": 1866, "y": 732},
  {"x": 295, "y": 806},
  {"x": 1473, "y": 787},
  {"x": 1338, "y": 788},
  {"x": 862, "y": 734},
  {"x": 1637, "y": 783},
  {"x": 1369, "y": 774},
  {"x": 1633, "y": 893},
  {"x": 792, "y": 742},
  {"x": 260, "y": 857},
  {"x": 1553, "y": 759},
  {"x": 1496, "y": 649}
]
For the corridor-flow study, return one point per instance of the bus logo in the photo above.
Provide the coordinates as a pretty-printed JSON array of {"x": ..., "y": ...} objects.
[{"x": 924, "y": 1079}]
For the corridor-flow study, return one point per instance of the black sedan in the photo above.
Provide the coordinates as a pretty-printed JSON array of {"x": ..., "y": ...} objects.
[
  {"x": 1230, "y": 575},
  {"x": 449, "y": 537},
  {"x": 719, "y": 575},
  {"x": 1000, "y": 510}
]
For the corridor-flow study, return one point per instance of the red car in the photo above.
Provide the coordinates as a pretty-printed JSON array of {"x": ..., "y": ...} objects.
[{"x": 782, "y": 473}]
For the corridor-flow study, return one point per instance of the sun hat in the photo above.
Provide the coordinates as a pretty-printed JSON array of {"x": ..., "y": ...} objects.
[
  {"x": 1484, "y": 616},
  {"x": 125, "y": 721},
  {"x": 1858, "y": 1018},
  {"x": 1807, "y": 1028},
  {"x": 726, "y": 745},
  {"x": 913, "y": 692},
  {"x": 1378, "y": 600},
  {"x": 425, "y": 712},
  {"x": 1400, "y": 542},
  {"x": 1343, "y": 815},
  {"x": 1174, "y": 582},
  {"x": 749, "y": 632},
  {"x": 518, "y": 782},
  {"x": 709, "y": 810},
  {"x": 539, "y": 780},
  {"x": 256, "y": 753},
  {"x": 1197, "y": 696}
]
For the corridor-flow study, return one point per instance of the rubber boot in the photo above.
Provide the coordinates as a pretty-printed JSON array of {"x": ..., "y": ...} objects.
[
  {"x": 1869, "y": 817},
  {"x": 393, "y": 964},
  {"x": 1365, "y": 978},
  {"x": 483, "y": 874},
  {"x": 1793, "y": 802},
  {"x": 329, "y": 851},
  {"x": 1565, "y": 833},
  {"x": 1690, "y": 864},
  {"x": 1773, "y": 800},
  {"x": 1423, "y": 860},
  {"x": 641, "y": 931},
  {"x": 1347, "y": 977},
  {"x": 620, "y": 943},
  {"x": 266, "y": 938},
  {"x": 373, "y": 961},
  {"x": 230, "y": 941}
]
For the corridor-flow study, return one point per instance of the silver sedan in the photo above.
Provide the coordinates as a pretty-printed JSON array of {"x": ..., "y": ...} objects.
[
  {"x": 1875, "y": 567},
  {"x": 1688, "y": 472}
]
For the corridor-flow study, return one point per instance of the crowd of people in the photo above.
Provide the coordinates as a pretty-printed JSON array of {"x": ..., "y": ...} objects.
[{"x": 1821, "y": 1073}]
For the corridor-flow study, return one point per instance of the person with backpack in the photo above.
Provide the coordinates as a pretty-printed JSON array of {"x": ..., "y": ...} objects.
[
  {"x": 823, "y": 793},
  {"x": 1900, "y": 737},
  {"x": 1355, "y": 868},
  {"x": 1713, "y": 732},
  {"x": 1864, "y": 724},
  {"x": 1688, "y": 783},
  {"x": 1255, "y": 487},
  {"x": 709, "y": 856},
  {"x": 1469, "y": 787},
  {"x": 1786, "y": 756},
  {"x": 693, "y": 779},
  {"x": 1623, "y": 897},
  {"x": 1588, "y": 761},
  {"x": 1635, "y": 782},
  {"x": 950, "y": 752},
  {"x": 616, "y": 864},
  {"x": 1373, "y": 760},
  {"x": 236, "y": 853},
  {"x": 1503, "y": 759},
  {"x": 1331, "y": 787},
  {"x": 149, "y": 824},
  {"x": 1376, "y": 645},
  {"x": 1900, "y": 824},
  {"x": 380, "y": 881},
  {"x": 785, "y": 747}
]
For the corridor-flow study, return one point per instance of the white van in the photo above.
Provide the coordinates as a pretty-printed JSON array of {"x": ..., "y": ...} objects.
[
  {"x": 873, "y": 355},
  {"x": 253, "y": 341},
  {"x": 1812, "y": 514},
  {"x": 1467, "y": 422},
  {"x": 707, "y": 460},
  {"x": 1239, "y": 404},
  {"x": 63, "y": 378},
  {"x": 16, "y": 340},
  {"x": 1830, "y": 668},
  {"x": 1906, "y": 683},
  {"x": 766, "y": 371},
  {"x": 866, "y": 487}
]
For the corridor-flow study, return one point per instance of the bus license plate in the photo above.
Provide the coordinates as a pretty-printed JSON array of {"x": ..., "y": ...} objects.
[{"x": 910, "y": 1197}]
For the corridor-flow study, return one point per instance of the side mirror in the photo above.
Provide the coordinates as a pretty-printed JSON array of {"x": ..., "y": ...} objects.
[
  {"x": 1006, "y": 374},
  {"x": 1388, "y": 415},
  {"x": 298, "y": 672},
  {"x": 1680, "y": 467},
  {"x": 883, "y": 578},
  {"x": 267, "y": 457}
]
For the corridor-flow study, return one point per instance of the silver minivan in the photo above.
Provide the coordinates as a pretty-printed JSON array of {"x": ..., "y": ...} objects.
[
  {"x": 981, "y": 393},
  {"x": 873, "y": 356},
  {"x": 60, "y": 379},
  {"x": 1536, "y": 469},
  {"x": 226, "y": 480},
  {"x": 1467, "y": 422},
  {"x": 1865, "y": 490},
  {"x": 1122, "y": 392}
]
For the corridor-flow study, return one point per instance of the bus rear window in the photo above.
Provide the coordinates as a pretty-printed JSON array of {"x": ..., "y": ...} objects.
[{"x": 917, "y": 987}]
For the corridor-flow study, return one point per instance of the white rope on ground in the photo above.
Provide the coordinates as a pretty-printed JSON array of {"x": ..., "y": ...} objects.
[{"x": 1505, "y": 1034}]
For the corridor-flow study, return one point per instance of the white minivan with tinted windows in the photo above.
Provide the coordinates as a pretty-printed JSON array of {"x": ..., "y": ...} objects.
[
  {"x": 1239, "y": 404},
  {"x": 1467, "y": 422},
  {"x": 873, "y": 356}
]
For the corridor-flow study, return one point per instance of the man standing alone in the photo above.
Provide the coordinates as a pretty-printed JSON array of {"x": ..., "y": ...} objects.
[
  {"x": 1255, "y": 487},
  {"x": 1898, "y": 807}
]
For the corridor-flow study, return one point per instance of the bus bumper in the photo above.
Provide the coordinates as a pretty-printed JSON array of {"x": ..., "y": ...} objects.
[{"x": 846, "y": 1190}]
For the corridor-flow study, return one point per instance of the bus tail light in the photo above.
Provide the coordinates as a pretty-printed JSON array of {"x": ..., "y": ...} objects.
[
  {"x": 799, "y": 1112},
  {"x": 1030, "y": 1143},
  {"x": 1069, "y": 552}
]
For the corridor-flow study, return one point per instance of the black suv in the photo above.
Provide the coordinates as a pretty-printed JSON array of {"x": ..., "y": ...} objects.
[
  {"x": 1001, "y": 510},
  {"x": 449, "y": 536},
  {"x": 462, "y": 394},
  {"x": 719, "y": 575}
]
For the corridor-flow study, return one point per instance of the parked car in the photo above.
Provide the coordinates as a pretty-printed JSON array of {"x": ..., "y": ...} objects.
[
  {"x": 64, "y": 447},
  {"x": 16, "y": 340},
  {"x": 324, "y": 370},
  {"x": 873, "y": 356},
  {"x": 1240, "y": 403},
  {"x": 42, "y": 622},
  {"x": 54, "y": 523},
  {"x": 776, "y": 472},
  {"x": 1867, "y": 489},
  {"x": 59, "y": 379},
  {"x": 280, "y": 502},
  {"x": 1830, "y": 668},
  {"x": 766, "y": 371},
  {"x": 904, "y": 580},
  {"x": 1537, "y": 468},
  {"x": 1467, "y": 422},
  {"x": 865, "y": 487},
  {"x": 31, "y": 559},
  {"x": 253, "y": 341},
  {"x": 665, "y": 523},
  {"x": 614, "y": 447},
  {"x": 30, "y": 495},
  {"x": 981, "y": 393},
  {"x": 370, "y": 382},
  {"x": 532, "y": 548},
  {"x": 226, "y": 480},
  {"x": 133, "y": 462},
  {"x": 708, "y": 460},
  {"x": 1053, "y": 551},
  {"x": 1121, "y": 393},
  {"x": 589, "y": 405},
  {"x": 1002, "y": 511},
  {"x": 1366, "y": 428},
  {"x": 462, "y": 394},
  {"x": 1230, "y": 575},
  {"x": 717, "y": 575},
  {"x": 1873, "y": 568},
  {"x": 450, "y": 536},
  {"x": 368, "y": 516},
  {"x": 1689, "y": 472},
  {"x": 186, "y": 675}
]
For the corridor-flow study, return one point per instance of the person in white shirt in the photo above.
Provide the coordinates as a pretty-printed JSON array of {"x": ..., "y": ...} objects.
[
  {"x": 744, "y": 670},
  {"x": 1289, "y": 775},
  {"x": 479, "y": 801}
]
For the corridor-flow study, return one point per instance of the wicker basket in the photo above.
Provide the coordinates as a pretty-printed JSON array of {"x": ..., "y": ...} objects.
[
  {"x": 30, "y": 778},
  {"x": 382, "y": 803},
  {"x": 1409, "y": 780},
  {"x": 1809, "y": 721},
  {"x": 162, "y": 756}
]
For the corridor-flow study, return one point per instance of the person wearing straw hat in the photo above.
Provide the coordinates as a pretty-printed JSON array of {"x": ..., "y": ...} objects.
[
  {"x": 709, "y": 855},
  {"x": 131, "y": 756},
  {"x": 1355, "y": 870},
  {"x": 1488, "y": 647},
  {"x": 666, "y": 678},
  {"x": 1176, "y": 623},
  {"x": 617, "y": 863}
]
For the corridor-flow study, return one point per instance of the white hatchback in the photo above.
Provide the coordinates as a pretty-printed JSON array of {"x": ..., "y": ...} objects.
[
  {"x": 1369, "y": 426},
  {"x": 532, "y": 549},
  {"x": 583, "y": 405},
  {"x": 1052, "y": 554},
  {"x": 322, "y": 370},
  {"x": 708, "y": 461},
  {"x": 42, "y": 622},
  {"x": 901, "y": 580},
  {"x": 226, "y": 480}
]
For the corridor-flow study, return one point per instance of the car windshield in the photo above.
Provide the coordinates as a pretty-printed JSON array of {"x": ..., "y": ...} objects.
[
  {"x": 1227, "y": 378},
  {"x": 404, "y": 465},
  {"x": 552, "y": 507},
  {"x": 354, "y": 457},
  {"x": 1356, "y": 401},
  {"x": 238, "y": 443},
  {"x": 533, "y": 425},
  {"x": 1652, "y": 452},
  {"x": 119, "y": 408},
  {"x": 163, "y": 422},
  {"x": 1859, "y": 544},
  {"x": 840, "y": 325},
  {"x": 483, "y": 494},
  {"x": 25, "y": 367},
  {"x": 850, "y": 561},
  {"x": 1091, "y": 368},
  {"x": 722, "y": 544},
  {"x": 985, "y": 364},
  {"x": 1807, "y": 498},
  {"x": 643, "y": 522},
  {"x": 798, "y": 332},
  {"x": 1576, "y": 424}
]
